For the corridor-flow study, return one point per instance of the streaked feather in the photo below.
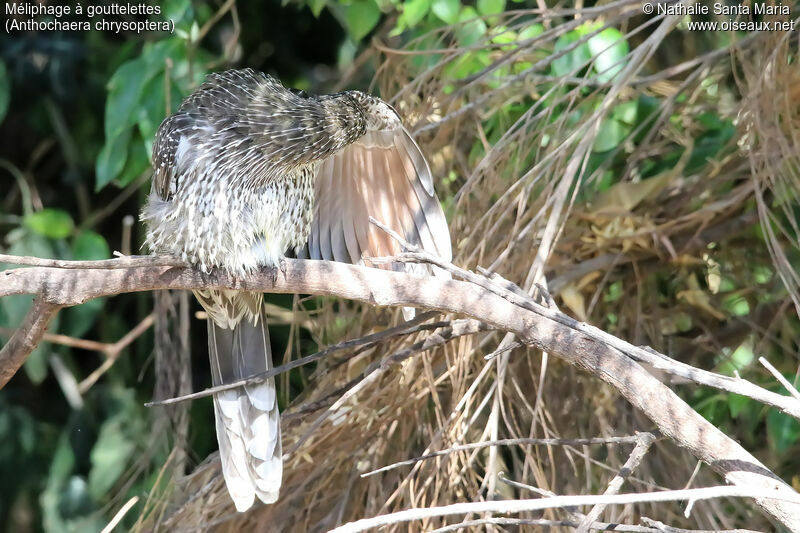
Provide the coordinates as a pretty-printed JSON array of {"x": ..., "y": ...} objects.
[
  {"x": 247, "y": 419},
  {"x": 247, "y": 171}
]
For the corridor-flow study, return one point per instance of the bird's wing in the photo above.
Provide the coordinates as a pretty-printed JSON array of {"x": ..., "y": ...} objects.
[
  {"x": 383, "y": 175},
  {"x": 166, "y": 175}
]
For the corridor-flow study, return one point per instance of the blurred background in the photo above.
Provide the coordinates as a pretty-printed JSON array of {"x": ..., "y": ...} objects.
[{"x": 647, "y": 169}]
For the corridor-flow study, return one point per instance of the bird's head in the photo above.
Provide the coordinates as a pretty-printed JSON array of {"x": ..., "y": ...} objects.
[{"x": 379, "y": 114}]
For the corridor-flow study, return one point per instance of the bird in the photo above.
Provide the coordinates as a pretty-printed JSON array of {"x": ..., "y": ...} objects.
[{"x": 248, "y": 172}]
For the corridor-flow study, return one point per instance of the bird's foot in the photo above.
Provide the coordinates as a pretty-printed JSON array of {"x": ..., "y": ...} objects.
[
  {"x": 545, "y": 297},
  {"x": 279, "y": 267}
]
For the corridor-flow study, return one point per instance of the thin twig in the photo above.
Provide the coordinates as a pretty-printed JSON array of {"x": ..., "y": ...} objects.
[
  {"x": 374, "y": 370},
  {"x": 114, "y": 205},
  {"x": 406, "y": 328},
  {"x": 65, "y": 340},
  {"x": 644, "y": 441},
  {"x": 664, "y": 528},
  {"x": 67, "y": 382},
  {"x": 120, "y": 515},
  {"x": 214, "y": 19},
  {"x": 785, "y": 382},
  {"x": 507, "y": 442},
  {"x": 112, "y": 352}
]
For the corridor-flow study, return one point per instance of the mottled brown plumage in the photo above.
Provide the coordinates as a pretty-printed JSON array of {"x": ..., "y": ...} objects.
[{"x": 247, "y": 171}]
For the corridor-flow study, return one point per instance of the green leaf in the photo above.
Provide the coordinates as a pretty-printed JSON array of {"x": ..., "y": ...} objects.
[
  {"x": 626, "y": 112},
  {"x": 317, "y": 6},
  {"x": 612, "y": 132},
  {"x": 5, "y": 90},
  {"x": 737, "y": 404},
  {"x": 446, "y": 10},
  {"x": 125, "y": 94},
  {"x": 124, "y": 91},
  {"x": 413, "y": 12},
  {"x": 783, "y": 430},
  {"x": 174, "y": 9},
  {"x": 610, "y": 50},
  {"x": 361, "y": 17},
  {"x": 109, "y": 457},
  {"x": 571, "y": 63},
  {"x": 194, "y": 32},
  {"x": 534, "y": 30},
  {"x": 52, "y": 223},
  {"x": 491, "y": 7},
  {"x": 138, "y": 161},
  {"x": 616, "y": 128},
  {"x": 60, "y": 468},
  {"x": 743, "y": 356},
  {"x": 112, "y": 159},
  {"x": 472, "y": 29},
  {"x": 467, "y": 64},
  {"x": 152, "y": 110},
  {"x": 503, "y": 35},
  {"x": 89, "y": 245},
  {"x": 79, "y": 319},
  {"x": 154, "y": 56}
]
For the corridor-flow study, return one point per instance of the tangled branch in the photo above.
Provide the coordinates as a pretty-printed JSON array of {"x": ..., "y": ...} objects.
[{"x": 483, "y": 299}]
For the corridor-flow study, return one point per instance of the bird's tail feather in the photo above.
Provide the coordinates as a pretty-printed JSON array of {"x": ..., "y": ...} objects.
[{"x": 247, "y": 418}]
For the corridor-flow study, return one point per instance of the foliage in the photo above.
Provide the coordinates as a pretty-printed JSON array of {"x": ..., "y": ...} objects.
[
  {"x": 100, "y": 98},
  {"x": 501, "y": 99}
]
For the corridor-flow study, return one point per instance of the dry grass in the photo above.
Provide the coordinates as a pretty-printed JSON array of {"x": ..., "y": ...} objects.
[{"x": 636, "y": 260}]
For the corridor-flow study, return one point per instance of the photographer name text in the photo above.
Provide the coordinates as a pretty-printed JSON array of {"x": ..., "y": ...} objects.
[{"x": 758, "y": 8}]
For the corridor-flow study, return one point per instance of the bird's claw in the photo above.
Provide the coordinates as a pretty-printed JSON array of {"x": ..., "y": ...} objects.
[
  {"x": 281, "y": 266},
  {"x": 545, "y": 297}
]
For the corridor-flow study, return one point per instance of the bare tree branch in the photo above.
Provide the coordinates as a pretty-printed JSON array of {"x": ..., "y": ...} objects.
[
  {"x": 518, "y": 506},
  {"x": 531, "y": 324},
  {"x": 113, "y": 350},
  {"x": 600, "y": 526},
  {"x": 26, "y": 338}
]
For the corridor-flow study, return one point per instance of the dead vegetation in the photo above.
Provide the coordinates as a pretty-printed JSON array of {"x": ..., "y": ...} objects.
[{"x": 680, "y": 234}]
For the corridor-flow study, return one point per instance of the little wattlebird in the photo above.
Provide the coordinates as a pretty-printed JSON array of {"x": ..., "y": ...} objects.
[{"x": 247, "y": 171}]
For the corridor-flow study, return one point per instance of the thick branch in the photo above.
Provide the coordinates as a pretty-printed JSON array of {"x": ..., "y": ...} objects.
[
  {"x": 25, "y": 338},
  {"x": 675, "y": 419}
]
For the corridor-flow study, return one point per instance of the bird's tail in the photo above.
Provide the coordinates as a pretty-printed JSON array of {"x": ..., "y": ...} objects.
[{"x": 247, "y": 418}]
